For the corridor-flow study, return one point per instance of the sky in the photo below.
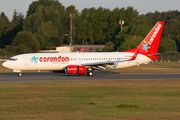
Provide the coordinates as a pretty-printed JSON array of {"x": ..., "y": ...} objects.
[{"x": 142, "y": 6}]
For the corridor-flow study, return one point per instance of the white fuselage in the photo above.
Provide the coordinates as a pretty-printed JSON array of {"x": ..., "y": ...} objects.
[{"x": 58, "y": 61}]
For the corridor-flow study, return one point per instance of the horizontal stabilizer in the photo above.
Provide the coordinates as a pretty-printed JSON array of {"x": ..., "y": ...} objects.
[{"x": 157, "y": 54}]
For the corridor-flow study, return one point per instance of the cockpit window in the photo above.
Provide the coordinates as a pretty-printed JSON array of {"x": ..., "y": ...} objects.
[{"x": 13, "y": 59}]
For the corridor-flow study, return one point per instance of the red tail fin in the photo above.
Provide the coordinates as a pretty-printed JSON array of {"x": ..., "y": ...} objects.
[
  {"x": 83, "y": 49},
  {"x": 151, "y": 42}
]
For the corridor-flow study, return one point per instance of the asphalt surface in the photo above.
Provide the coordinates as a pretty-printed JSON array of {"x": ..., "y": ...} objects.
[{"x": 62, "y": 77}]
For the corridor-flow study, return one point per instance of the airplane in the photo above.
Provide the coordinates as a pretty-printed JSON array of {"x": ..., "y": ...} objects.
[{"x": 88, "y": 62}]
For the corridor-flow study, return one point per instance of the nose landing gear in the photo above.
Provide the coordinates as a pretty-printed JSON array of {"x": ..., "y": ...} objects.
[{"x": 19, "y": 74}]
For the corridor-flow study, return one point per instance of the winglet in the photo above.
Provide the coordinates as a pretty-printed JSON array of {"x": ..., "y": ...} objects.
[
  {"x": 134, "y": 56},
  {"x": 83, "y": 49}
]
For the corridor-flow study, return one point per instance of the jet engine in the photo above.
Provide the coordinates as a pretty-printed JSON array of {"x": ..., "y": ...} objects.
[{"x": 74, "y": 69}]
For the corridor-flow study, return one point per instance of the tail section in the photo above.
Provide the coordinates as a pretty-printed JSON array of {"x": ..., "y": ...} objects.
[{"x": 151, "y": 42}]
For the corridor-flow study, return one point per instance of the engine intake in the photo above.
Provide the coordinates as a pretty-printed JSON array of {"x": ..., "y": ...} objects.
[{"x": 74, "y": 69}]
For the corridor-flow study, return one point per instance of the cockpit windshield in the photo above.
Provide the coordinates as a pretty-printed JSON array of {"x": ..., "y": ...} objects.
[{"x": 13, "y": 59}]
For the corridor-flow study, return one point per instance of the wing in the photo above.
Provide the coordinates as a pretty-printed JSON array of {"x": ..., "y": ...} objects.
[
  {"x": 108, "y": 64},
  {"x": 101, "y": 65}
]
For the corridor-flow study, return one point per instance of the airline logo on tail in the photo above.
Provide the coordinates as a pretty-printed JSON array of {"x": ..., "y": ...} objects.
[
  {"x": 147, "y": 45},
  {"x": 150, "y": 43},
  {"x": 154, "y": 34}
]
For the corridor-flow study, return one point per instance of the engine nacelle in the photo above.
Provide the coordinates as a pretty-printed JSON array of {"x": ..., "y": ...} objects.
[{"x": 74, "y": 69}]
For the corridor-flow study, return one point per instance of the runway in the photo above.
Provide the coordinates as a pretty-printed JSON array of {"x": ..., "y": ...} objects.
[{"x": 96, "y": 77}]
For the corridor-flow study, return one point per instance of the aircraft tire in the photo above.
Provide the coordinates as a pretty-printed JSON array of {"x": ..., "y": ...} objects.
[
  {"x": 90, "y": 73},
  {"x": 20, "y": 74}
]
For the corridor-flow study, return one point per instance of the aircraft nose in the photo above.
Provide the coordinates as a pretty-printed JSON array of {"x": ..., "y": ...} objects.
[{"x": 5, "y": 64}]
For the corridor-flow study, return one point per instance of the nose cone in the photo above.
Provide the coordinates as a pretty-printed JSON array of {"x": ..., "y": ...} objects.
[{"x": 5, "y": 64}]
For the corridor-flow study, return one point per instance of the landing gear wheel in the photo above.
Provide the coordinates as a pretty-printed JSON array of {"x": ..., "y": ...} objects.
[
  {"x": 90, "y": 73},
  {"x": 20, "y": 74}
]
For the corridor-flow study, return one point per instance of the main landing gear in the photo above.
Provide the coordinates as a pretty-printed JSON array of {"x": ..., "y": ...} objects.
[{"x": 90, "y": 73}]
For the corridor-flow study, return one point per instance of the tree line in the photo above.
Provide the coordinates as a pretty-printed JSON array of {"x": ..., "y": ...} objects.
[{"x": 47, "y": 23}]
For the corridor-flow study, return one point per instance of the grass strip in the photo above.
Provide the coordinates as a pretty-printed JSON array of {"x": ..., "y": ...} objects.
[{"x": 152, "y": 99}]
